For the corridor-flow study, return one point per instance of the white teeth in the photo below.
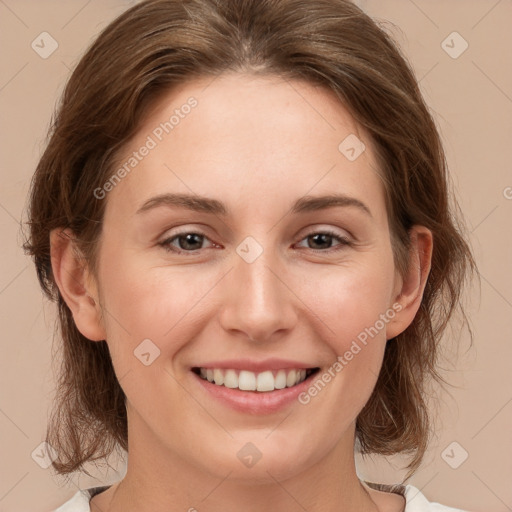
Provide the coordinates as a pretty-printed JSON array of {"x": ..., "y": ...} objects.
[
  {"x": 291, "y": 378},
  {"x": 230, "y": 379},
  {"x": 246, "y": 381},
  {"x": 265, "y": 381},
  {"x": 218, "y": 376},
  {"x": 249, "y": 381},
  {"x": 280, "y": 380}
]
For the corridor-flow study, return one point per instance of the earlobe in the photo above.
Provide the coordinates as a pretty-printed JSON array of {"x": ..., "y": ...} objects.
[
  {"x": 72, "y": 278},
  {"x": 413, "y": 283}
]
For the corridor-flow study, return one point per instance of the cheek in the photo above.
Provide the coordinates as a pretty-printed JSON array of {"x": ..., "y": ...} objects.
[
  {"x": 155, "y": 303},
  {"x": 351, "y": 298},
  {"x": 353, "y": 304}
]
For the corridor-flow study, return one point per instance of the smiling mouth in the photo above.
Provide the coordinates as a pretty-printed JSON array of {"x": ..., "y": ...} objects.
[{"x": 244, "y": 380}]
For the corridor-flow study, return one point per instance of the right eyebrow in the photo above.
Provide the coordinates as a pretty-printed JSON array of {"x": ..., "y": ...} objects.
[{"x": 188, "y": 201}]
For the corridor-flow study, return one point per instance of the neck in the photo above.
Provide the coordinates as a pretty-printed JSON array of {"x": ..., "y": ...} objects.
[{"x": 159, "y": 479}]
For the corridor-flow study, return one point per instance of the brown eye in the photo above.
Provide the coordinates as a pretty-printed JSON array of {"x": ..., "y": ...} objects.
[
  {"x": 184, "y": 242},
  {"x": 323, "y": 241}
]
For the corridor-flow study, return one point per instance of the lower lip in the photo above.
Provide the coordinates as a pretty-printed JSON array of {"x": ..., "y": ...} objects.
[{"x": 255, "y": 402}]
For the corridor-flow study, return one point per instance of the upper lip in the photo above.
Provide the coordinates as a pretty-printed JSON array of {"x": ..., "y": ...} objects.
[{"x": 256, "y": 366}]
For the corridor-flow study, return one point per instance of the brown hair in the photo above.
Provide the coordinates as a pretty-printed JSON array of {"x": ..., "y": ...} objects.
[{"x": 160, "y": 43}]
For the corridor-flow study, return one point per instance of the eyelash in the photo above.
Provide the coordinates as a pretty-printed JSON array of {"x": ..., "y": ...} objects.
[{"x": 343, "y": 242}]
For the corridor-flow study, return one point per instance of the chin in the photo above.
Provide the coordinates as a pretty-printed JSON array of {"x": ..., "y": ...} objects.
[{"x": 260, "y": 458}]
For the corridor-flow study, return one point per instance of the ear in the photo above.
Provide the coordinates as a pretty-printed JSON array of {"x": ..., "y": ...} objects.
[
  {"x": 77, "y": 288},
  {"x": 409, "y": 288}
]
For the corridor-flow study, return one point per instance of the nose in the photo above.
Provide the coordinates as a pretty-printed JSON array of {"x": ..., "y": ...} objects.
[{"x": 258, "y": 302}]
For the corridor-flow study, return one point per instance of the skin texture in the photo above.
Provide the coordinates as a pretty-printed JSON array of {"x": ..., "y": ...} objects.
[{"x": 256, "y": 144}]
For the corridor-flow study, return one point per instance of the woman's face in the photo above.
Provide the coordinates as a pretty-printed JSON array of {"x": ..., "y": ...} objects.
[{"x": 269, "y": 278}]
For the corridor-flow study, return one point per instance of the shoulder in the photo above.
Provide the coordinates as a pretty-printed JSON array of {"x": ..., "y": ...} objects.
[
  {"x": 79, "y": 502},
  {"x": 415, "y": 501}
]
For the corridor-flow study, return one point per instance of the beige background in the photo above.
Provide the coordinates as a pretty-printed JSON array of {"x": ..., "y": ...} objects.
[{"x": 471, "y": 97}]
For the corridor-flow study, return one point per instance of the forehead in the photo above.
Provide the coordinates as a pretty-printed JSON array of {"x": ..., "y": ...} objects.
[{"x": 244, "y": 138}]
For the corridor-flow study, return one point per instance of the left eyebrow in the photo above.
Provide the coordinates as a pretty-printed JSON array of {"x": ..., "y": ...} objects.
[{"x": 314, "y": 203}]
